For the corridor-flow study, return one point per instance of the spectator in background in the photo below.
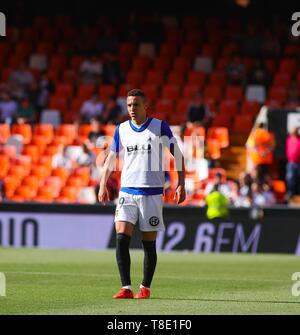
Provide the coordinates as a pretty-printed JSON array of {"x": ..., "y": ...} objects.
[
  {"x": 236, "y": 72},
  {"x": 198, "y": 112},
  {"x": 44, "y": 87},
  {"x": 61, "y": 158},
  {"x": 260, "y": 146},
  {"x": 293, "y": 163},
  {"x": 259, "y": 74},
  {"x": 262, "y": 195},
  {"x": 25, "y": 112},
  {"x": 91, "y": 109},
  {"x": 223, "y": 187},
  {"x": 245, "y": 181},
  {"x": 88, "y": 157},
  {"x": 8, "y": 108},
  {"x": 96, "y": 132},
  {"x": 91, "y": 70},
  {"x": 112, "y": 111},
  {"x": 21, "y": 82},
  {"x": 112, "y": 73},
  {"x": 217, "y": 204}
]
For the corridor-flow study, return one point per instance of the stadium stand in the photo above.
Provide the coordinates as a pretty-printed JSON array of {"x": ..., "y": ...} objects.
[{"x": 193, "y": 56}]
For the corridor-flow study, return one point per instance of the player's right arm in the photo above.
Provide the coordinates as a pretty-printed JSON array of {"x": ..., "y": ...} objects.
[{"x": 108, "y": 167}]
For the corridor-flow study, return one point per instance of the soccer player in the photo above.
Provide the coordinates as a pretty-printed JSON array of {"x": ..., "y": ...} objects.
[{"x": 142, "y": 181}]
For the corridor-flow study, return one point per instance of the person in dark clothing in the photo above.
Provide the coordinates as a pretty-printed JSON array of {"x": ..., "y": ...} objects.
[{"x": 198, "y": 112}]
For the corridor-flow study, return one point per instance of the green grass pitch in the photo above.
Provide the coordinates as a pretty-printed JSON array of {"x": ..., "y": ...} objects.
[{"x": 185, "y": 283}]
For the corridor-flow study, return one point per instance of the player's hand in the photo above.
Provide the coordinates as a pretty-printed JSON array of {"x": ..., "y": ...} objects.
[
  {"x": 103, "y": 195},
  {"x": 179, "y": 195}
]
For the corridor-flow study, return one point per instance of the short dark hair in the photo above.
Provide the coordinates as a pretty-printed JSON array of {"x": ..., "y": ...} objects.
[{"x": 136, "y": 92}]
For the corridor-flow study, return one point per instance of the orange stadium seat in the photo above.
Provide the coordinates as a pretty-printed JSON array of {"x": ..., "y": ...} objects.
[
  {"x": 25, "y": 192},
  {"x": 234, "y": 92},
  {"x": 84, "y": 174},
  {"x": 175, "y": 78},
  {"x": 45, "y": 130},
  {"x": 250, "y": 108},
  {"x": 141, "y": 63},
  {"x": 25, "y": 162},
  {"x": 4, "y": 163},
  {"x": 164, "y": 107},
  {"x": 62, "y": 173},
  {"x": 188, "y": 50},
  {"x": 40, "y": 142},
  {"x": 282, "y": 79},
  {"x": 68, "y": 131},
  {"x": 228, "y": 107},
  {"x": 46, "y": 191},
  {"x": 170, "y": 91},
  {"x": 45, "y": 160},
  {"x": 155, "y": 77},
  {"x": 63, "y": 90},
  {"x": 196, "y": 78},
  {"x": 151, "y": 91},
  {"x": 189, "y": 91},
  {"x": 222, "y": 121},
  {"x": 40, "y": 172},
  {"x": 59, "y": 103},
  {"x": 55, "y": 183},
  {"x": 10, "y": 185},
  {"x": 135, "y": 78},
  {"x": 168, "y": 50},
  {"x": 127, "y": 48},
  {"x": 174, "y": 36},
  {"x": 31, "y": 150},
  {"x": 220, "y": 134},
  {"x": 213, "y": 92},
  {"x": 214, "y": 149},
  {"x": 162, "y": 64},
  {"x": 85, "y": 91},
  {"x": 4, "y": 132},
  {"x": 278, "y": 93},
  {"x": 69, "y": 192},
  {"x": 24, "y": 130},
  {"x": 181, "y": 63},
  {"x": 106, "y": 91},
  {"x": 74, "y": 181},
  {"x": 17, "y": 170},
  {"x": 242, "y": 124},
  {"x": 287, "y": 65},
  {"x": 32, "y": 182},
  {"x": 52, "y": 149}
]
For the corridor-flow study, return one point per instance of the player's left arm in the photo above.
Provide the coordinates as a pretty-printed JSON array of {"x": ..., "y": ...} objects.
[{"x": 180, "y": 193}]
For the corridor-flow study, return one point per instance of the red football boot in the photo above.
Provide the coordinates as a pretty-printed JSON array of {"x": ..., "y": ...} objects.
[
  {"x": 144, "y": 293},
  {"x": 124, "y": 293}
]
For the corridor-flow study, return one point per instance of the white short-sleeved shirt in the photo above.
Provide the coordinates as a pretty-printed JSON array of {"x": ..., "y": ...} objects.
[{"x": 143, "y": 172}]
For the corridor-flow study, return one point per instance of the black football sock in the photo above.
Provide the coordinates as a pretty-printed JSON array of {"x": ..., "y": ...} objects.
[
  {"x": 150, "y": 259},
  {"x": 123, "y": 258}
]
